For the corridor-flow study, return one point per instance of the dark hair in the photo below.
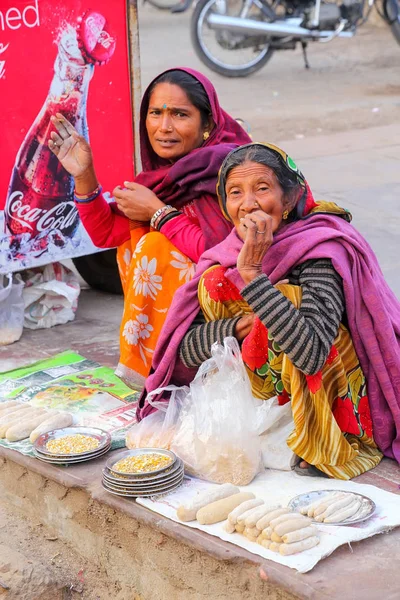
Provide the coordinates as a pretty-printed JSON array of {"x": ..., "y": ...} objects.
[
  {"x": 288, "y": 179},
  {"x": 193, "y": 89}
]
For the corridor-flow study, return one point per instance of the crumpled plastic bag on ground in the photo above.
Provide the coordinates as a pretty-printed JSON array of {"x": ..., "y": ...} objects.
[
  {"x": 50, "y": 296},
  {"x": 11, "y": 308},
  {"x": 215, "y": 436}
]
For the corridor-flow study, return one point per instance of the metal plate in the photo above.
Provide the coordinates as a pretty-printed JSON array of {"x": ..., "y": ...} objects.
[
  {"x": 305, "y": 499},
  {"x": 141, "y": 494},
  {"x": 68, "y": 461},
  {"x": 144, "y": 487},
  {"x": 103, "y": 437},
  {"x": 130, "y": 479},
  {"x": 137, "y": 452},
  {"x": 68, "y": 457}
]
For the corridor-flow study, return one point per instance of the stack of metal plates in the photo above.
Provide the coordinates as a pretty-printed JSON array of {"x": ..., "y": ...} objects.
[
  {"x": 72, "y": 445},
  {"x": 143, "y": 472}
]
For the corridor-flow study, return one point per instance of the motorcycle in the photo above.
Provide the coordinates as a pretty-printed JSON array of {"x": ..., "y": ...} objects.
[
  {"x": 171, "y": 5},
  {"x": 238, "y": 37}
]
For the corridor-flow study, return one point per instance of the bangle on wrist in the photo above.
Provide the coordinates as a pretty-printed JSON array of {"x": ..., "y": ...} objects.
[
  {"x": 165, "y": 218},
  {"x": 88, "y": 197},
  {"x": 159, "y": 214}
]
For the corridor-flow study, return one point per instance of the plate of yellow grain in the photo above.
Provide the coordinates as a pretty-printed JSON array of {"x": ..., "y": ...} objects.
[
  {"x": 73, "y": 442},
  {"x": 141, "y": 461}
]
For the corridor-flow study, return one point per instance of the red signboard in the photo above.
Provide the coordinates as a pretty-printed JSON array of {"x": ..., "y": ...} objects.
[{"x": 69, "y": 57}]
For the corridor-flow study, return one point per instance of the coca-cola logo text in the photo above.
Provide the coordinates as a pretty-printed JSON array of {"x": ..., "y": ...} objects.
[
  {"x": 61, "y": 216},
  {"x": 103, "y": 38}
]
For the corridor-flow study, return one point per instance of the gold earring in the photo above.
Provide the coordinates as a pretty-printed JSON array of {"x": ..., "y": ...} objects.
[
  {"x": 206, "y": 135},
  {"x": 285, "y": 214}
]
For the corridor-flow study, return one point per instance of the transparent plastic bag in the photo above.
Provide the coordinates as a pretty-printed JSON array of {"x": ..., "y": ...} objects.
[
  {"x": 11, "y": 308},
  {"x": 274, "y": 425},
  {"x": 158, "y": 429},
  {"x": 215, "y": 436}
]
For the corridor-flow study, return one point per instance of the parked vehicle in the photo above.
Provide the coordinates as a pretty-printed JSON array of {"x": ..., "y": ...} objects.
[{"x": 238, "y": 37}]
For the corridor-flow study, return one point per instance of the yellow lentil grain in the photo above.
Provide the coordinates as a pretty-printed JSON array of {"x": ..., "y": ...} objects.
[
  {"x": 142, "y": 463},
  {"x": 72, "y": 444}
]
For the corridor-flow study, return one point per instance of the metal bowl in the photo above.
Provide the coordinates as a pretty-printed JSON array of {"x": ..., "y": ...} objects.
[
  {"x": 137, "y": 452},
  {"x": 103, "y": 437},
  {"x": 305, "y": 499}
]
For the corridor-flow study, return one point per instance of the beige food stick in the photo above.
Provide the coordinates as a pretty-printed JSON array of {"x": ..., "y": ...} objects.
[
  {"x": 326, "y": 503},
  {"x": 288, "y": 549},
  {"x": 344, "y": 514},
  {"x": 57, "y": 421},
  {"x": 274, "y": 514},
  {"x": 256, "y": 515},
  {"x": 285, "y": 517},
  {"x": 242, "y": 508},
  {"x": 219, "y": 510},
  {"x": 22, "y": 430},
  {"x": 300, "y": 534},
  {"x": 187, "y": 512},
  {"x": 292, "y": 525},
  {"x": 229, "y": 527}
]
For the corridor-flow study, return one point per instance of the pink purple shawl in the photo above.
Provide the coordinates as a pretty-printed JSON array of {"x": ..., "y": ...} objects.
[{"x": 373, "y": 311}]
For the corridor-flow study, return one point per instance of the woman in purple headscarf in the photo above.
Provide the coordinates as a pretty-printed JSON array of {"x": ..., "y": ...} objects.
[
  {"x": 184, "y": 137},
  {"x": 302, "y": 292}
]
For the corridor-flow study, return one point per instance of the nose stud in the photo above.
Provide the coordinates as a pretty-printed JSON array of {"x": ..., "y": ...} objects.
[{"x": 256, "y": 203}]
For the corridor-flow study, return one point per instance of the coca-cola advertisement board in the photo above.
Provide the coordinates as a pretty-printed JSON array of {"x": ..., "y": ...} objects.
[{"x": 67, "y": 57}]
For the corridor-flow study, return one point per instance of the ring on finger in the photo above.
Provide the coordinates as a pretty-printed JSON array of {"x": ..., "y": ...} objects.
[{"x": 260, "y": 231}]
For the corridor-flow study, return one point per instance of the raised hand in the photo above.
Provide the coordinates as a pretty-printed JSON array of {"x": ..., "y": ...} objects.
[
  {"x": 256, "y": 229},
  {"x": 71, "y": 149}
]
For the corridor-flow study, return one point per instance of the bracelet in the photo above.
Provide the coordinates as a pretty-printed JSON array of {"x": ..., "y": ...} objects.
[
  {"x": 171, "y": 211},
  {"x": 88, "y": 197},
  {"x": 158, "y": 214},
  {"x": 165, "y": 218}
]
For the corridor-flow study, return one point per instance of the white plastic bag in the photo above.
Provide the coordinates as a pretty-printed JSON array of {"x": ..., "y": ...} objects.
[
  {"x": 158, "y": 429},
  {"x": 50, "y": 296},
  {"x": 274, "y": 425},
  {"x": 216, "y": 437},
  {"x": 11, "y": 308}
]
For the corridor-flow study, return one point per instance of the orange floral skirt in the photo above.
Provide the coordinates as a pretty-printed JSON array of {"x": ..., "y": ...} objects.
[{"x": 151, "y": 270}]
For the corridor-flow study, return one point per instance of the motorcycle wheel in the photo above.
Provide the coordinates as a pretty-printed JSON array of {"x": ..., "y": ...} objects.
[
  {"x": 162, "y": 4},
  {"x": 203, "y": 37},
  {"x": 100, "y": 271},
  {"x": 392, "y": 12}
]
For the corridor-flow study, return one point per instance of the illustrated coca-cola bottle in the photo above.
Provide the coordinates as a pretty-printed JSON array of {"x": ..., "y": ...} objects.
[{"x": 40, "y": 194}]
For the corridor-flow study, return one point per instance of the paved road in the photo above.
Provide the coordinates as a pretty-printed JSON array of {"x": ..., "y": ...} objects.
[{"x": 352, "y": 83}]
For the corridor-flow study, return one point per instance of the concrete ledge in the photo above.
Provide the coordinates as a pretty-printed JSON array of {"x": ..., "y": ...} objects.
[{"x": 157, "y": 558}]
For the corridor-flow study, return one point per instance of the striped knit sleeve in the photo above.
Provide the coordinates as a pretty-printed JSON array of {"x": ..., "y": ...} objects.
[
  {"x": 305, "y": 334},
  {"x": 195, "y": 347}
]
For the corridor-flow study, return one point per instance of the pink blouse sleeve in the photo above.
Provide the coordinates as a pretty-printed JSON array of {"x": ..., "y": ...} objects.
[
  {"x": 106, "y": 226},
  {"x": 186, "y": 236}
]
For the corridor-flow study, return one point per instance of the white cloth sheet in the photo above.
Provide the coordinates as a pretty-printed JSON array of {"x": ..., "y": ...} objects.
[{"x": 280, "y": 487}]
